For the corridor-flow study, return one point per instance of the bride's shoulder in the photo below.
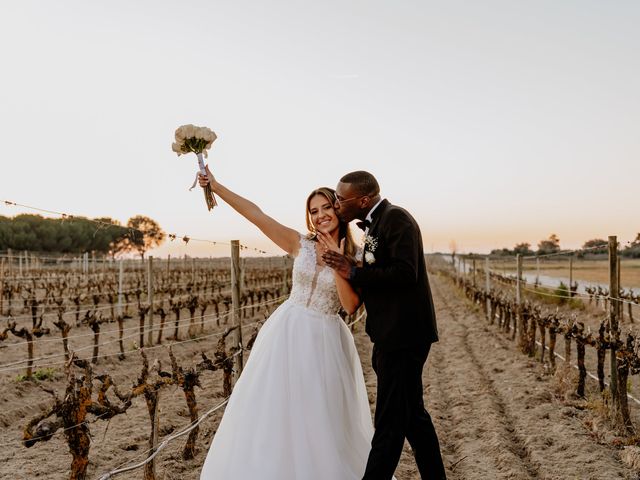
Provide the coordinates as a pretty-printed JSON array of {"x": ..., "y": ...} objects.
[{"x": 306, "y": 242}]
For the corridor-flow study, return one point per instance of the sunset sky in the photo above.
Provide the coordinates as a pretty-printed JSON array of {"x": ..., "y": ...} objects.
[{"x": 493, "y": 122}]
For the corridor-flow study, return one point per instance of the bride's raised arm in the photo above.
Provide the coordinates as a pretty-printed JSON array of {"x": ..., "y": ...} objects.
[{"x": 286, "y": 238}]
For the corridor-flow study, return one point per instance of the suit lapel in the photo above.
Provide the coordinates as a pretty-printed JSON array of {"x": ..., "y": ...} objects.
[
  {"x": 375, "y": 219},
  {"x": 377, "y": 214}
]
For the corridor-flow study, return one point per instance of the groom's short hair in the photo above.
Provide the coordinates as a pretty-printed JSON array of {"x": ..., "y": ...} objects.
[{"x": 362, "y": 182}]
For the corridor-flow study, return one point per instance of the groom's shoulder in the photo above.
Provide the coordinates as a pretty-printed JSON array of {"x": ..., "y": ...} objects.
[
  {"x": 396, "y": 212},
  {"x": 399, "y": 217}
]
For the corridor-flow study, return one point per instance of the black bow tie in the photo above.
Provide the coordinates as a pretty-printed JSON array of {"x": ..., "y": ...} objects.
[{"x": 363, "y": 225}]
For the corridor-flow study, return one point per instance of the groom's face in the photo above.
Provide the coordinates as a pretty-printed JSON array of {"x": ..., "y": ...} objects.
[{"x": 349, "y": 203}]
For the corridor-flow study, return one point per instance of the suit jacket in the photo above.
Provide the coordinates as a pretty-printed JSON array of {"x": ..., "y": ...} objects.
[{"x": 394, "y": 284}]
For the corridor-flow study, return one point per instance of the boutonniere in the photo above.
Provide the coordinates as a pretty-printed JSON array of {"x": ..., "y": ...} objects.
[
  {"x": 370, "y": 244},
  {"x": 369, "y": 258}
]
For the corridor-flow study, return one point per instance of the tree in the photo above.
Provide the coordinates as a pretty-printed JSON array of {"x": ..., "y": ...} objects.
[
  {"x": 66, "y": 235},
  {"x": 503, "y": 252},
  {"x": 145, "y": 234},
  {"x": 523, "y": 248},
  {"x": 550, "y": 245},
  {"x": 633, "y": 249},
  {"x": 596, "y": 245}
]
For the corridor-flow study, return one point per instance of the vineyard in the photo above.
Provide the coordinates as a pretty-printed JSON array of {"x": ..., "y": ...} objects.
[
  {"x": 122, "y": 369},
  {"x": 110, "y": 333},
  {"x": 517, "y": 307}
]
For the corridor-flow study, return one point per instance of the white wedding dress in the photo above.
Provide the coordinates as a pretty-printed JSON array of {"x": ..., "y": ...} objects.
[{"x": 299, "y": 410}]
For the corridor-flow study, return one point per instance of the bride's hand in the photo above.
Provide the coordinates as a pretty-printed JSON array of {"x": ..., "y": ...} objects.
[
  {"x": 328, "y": 243},
  {"x": 207, "y": 179}
]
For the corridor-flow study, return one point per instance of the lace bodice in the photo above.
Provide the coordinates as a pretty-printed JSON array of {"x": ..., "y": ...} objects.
[{"x": 313, "y": 285}]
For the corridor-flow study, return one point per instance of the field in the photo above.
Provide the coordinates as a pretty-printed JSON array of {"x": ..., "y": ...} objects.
[
  {"x": 498, "y": 413},
  {"x": 591, "y": 271}
]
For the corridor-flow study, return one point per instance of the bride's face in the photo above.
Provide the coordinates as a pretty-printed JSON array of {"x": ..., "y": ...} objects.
[{"x": 323, "y": 216}]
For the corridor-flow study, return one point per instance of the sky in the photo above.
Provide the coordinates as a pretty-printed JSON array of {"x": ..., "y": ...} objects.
[{"x": 493, "y": 122}]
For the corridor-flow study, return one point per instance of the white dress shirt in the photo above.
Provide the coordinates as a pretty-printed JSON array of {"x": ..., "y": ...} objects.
[{"x": 369, "y": 215}]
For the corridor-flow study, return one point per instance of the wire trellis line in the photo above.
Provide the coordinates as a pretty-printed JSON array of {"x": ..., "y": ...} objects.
[
  {"x": 14, "y": 368},
  {"x": 162, "y": 445}
]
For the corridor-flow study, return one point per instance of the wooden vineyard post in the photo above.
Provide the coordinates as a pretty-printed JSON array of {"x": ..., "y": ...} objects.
[
  {"x": 120, "y": 275},
  {"x": 570, "y": 277},
  {"x": 613, "y": 319},
  {"x": 235, "y": 300},
  {"x": 168, "y": 263},
  {"x": 474, "y": 272},
  {"x": 464, "y": 268},
  {"x": 1, "y": 286},
  {"x": 10, "y": 259},
  {"x": 120, "y": 316},
  {"x": 519, "y": 312},
  {"x": 620, "y": 304},
  {"x": 150, "y": 299},
  {"x": 487, "y": 286}
]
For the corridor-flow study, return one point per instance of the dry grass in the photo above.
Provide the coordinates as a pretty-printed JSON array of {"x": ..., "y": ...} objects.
[{"x": 596, "y": 271}]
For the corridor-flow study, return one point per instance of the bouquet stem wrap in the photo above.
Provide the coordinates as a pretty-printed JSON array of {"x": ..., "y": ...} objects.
[{"x": 208, "y": 194}]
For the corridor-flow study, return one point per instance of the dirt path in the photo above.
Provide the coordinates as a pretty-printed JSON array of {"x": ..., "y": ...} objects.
[{"x": 493, "y": 409}]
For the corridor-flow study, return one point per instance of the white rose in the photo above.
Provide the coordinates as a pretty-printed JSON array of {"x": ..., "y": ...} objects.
[
  {"x": 211, "y": 137},
  {"x": 184, "y": 132},
  {"x": 179, "y": 134},
  {"x": 200, "y": 132},
  {"x": 369, "y": 258},
  {"x": 189, "y": 131},
  {"x": 177, "y": 147},
  {"x": 206, "y": 134}
]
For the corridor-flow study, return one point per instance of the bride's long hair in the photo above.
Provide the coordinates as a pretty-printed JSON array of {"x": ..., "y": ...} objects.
[{"x": 343, "y": 227}]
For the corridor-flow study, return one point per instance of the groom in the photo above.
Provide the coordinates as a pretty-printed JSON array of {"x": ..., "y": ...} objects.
[{"x": 401, "y": 323}]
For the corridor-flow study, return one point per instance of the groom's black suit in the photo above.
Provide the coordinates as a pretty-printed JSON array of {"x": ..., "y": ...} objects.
[{"x": 401, "y": 323}]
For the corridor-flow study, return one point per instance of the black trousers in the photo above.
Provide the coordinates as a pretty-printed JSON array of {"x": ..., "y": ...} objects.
[{"x": 400, "y": 414}]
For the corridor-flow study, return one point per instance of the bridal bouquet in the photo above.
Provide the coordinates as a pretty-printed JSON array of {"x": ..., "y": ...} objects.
[{"x": 198, "y": 140}]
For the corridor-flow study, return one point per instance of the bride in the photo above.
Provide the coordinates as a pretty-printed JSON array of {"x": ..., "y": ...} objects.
[{"x": 299, "y": 411}]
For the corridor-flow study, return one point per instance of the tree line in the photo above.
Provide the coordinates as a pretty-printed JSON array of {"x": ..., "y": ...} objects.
[
  {"x": 75, "y": 235},
  {"x": 552, "y": 245}
]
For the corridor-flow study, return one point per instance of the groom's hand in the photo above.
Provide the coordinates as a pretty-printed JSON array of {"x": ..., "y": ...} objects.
[{"x": 338, "y": 262}]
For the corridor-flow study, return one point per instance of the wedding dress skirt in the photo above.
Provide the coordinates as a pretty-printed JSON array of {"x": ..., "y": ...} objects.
[{"x": 300, "y": 409}]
